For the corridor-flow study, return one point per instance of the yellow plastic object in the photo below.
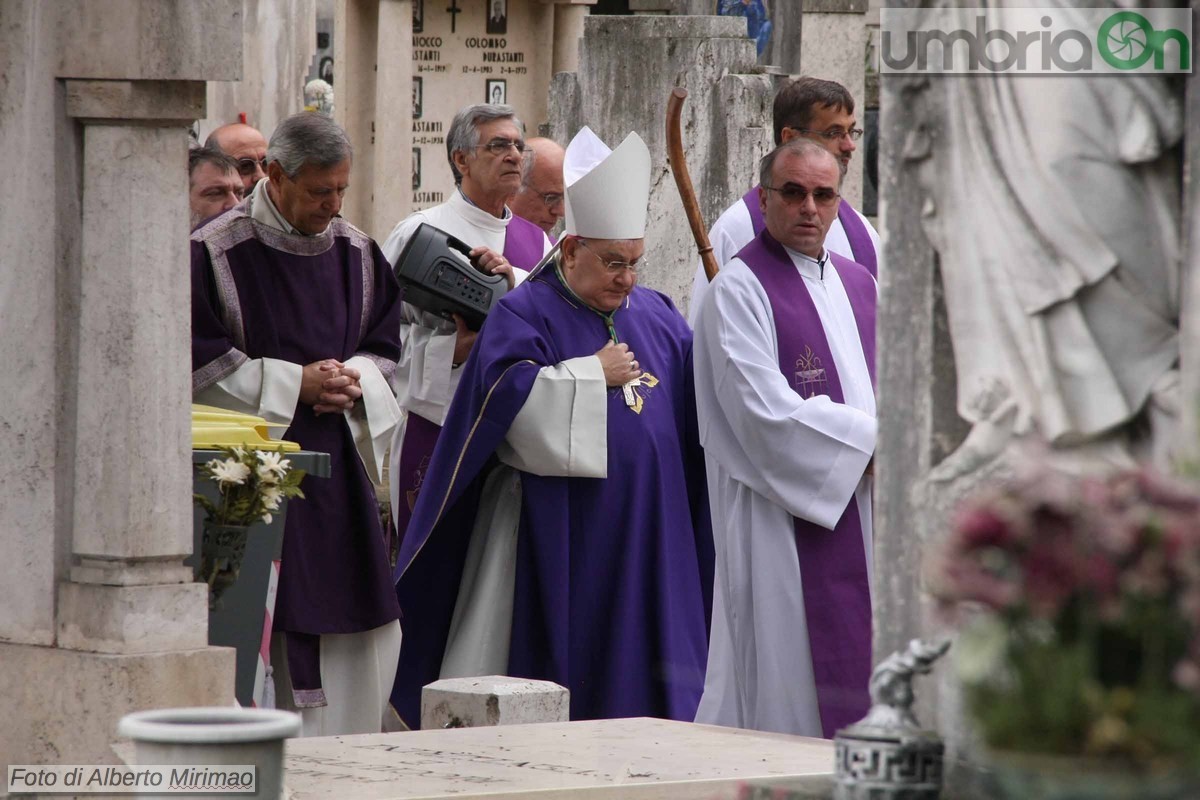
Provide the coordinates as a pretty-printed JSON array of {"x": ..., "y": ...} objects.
[{"x": 216, "y": 427}]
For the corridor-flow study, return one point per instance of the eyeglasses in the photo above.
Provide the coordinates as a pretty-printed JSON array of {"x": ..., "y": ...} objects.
[
  {"x": 551, "y": 199},
  {"x": 500, "y": 147},
  {"x": 833, "y": 134},
  {"x": 615, "y": 266},
  {"x": 247, "y": 166},
  {"x": 794, "y": 195}
]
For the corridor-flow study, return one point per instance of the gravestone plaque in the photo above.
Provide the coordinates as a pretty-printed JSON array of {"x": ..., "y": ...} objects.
[{"x": 464, "y": 52}]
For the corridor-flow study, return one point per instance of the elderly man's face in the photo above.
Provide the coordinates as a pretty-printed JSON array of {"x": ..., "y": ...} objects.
[
  {"x": 313, "y": 198},
  {"x": 491, "y": 173},
  {"x": 602, "y": 271},
  {"x": 802, "y": 201},
  {"x": 541, "y": 201},
  {"x": 247, "y": 147},
  {"x": 212, "y": 191}
]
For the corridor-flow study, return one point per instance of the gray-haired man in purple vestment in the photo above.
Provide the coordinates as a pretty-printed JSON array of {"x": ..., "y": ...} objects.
[
  {"x": 784, "y": 361},
  {"x": 296, "y": 318},
  {"x": 486, "y": 149}
]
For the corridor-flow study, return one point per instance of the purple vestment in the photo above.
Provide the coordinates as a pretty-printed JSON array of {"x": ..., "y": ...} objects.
[
  {"x": 833, "y": 564},
  {"x": 258, "y": 292},
  {"x": 523, "y": 247},
  {"x": 613, "y": 584},
  {"x": 856, "y": 232}
]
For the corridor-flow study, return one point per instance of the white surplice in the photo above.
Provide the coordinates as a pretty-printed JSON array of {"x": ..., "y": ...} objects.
[
  {"x": 734, "y": 229},
  {"x": 425, "y": 379},
  {"x": 771, "y": 456}
]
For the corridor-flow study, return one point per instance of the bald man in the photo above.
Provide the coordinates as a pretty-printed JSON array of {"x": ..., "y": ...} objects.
[
  {"x": 540, "y": 198},
  {"x": 246, "y": 146}
]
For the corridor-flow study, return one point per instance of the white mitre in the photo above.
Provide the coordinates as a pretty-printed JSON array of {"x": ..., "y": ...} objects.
[{"x": 607, "y": 191}]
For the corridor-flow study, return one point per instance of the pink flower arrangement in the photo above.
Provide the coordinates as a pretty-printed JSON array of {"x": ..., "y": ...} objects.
[{"x": 1083, "y": 596}]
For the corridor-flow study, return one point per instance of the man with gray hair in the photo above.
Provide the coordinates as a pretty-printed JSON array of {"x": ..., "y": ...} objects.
[
  {"x": 540, "y": 198},
  {"x": 784, "y": 362},
  {"x": 486, "y": 149},
  {"x": 296, "y": 318}
]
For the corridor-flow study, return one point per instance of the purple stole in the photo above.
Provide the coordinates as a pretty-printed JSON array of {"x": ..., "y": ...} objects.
[
  {"x": 523, "y": 243},
  {"x": 856, "y": 232},
  {"x": 523, "y": 246},
  {"x": 837, "y": 600}
]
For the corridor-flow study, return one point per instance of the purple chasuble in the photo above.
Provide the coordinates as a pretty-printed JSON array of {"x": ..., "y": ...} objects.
[
  {"x": 524, "y": 243},
  {"x": 613, "y": 583},
  {"x": 833, "y": 564},
  {"x": 261, "y": 293},
  {"x": 523, "y": 246},
  {"x": 856, "y": 231}
]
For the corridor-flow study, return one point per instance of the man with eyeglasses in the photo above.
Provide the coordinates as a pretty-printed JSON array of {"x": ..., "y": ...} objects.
[
  {"x": 785, "y": 346},
  {"x": 247, "y": 147},
  {"x": 562, "y": 532},
  {"x": 487, "y": 152},
  {"x": 823, "y": 112},
  {"x": 540, "y": 198}
]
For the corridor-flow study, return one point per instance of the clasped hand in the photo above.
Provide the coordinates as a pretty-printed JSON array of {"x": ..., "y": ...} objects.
[{"x": 330, "y": 386}]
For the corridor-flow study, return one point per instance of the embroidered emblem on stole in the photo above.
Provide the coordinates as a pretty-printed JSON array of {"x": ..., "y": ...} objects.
[
  {"x": 637, "y": 390},
  {"x": 809, "y": 379}
]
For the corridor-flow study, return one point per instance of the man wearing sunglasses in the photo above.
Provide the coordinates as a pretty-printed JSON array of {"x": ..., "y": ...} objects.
[
  {"x": 823, "y": 112},
  {"x": 247, "y": 147},
  {"x": 487, "y": 151},
  {"x": 785, "y": 344},
  {"x": 562, "y": 530}
]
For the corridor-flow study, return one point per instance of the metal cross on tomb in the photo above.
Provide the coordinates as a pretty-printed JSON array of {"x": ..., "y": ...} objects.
[{"x": 453, "y": 10}]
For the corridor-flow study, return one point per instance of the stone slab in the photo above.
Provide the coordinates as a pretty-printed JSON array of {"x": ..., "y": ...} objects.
[
  {"x": 835, "y": 6},
  {"x": 62, "y": 706},
  {"x": 150, "y": 101},
  {"x": 149, "y": 39},
  {"x": 626, "y": 758},
  {"x": 132, "y": 619},
  {"x": 492, "y": 700}
]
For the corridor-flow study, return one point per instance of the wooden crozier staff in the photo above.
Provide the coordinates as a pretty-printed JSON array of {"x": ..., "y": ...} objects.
[{"x": 684, "y": 181}]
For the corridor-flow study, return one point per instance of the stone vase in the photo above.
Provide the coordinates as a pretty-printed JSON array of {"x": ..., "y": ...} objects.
[
  {"x": 216, "y": 736},
  {"x": 1029, "y": 776},
  {"x": 222, "y": 550}
]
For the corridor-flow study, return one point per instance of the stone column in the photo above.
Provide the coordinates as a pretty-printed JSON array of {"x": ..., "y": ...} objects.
[
  {"x": 98, "y": 617},
  {"x": 373, "y": 67},
  {"x": 1189, "y": 320},
  {"x": 392, "y": 156},
  {"x": 568, "y": 30},
  {"x": 726, "y": 119},
  {"x": 833, "y": 44}
]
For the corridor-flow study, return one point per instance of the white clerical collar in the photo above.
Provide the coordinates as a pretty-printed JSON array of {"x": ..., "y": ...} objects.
[
  {"x": 476, "y": 215},
  {"x": 809, "y": 267},
  {"x": 262, "y": 210}
]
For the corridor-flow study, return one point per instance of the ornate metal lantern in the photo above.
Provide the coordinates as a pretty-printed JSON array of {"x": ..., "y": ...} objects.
[{"x": 887, "y": 755}]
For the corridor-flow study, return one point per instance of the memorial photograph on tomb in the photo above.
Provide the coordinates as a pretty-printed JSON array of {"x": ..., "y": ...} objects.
[
  {"x": 418, "y": 16},
  {"x": 418, "y": 90},
  {"x": 497, "y": 21},
  {"x": 416, "y": 168},
  {"x": 497, "y": 91}
]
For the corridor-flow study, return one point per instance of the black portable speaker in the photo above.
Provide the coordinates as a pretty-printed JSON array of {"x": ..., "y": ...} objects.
[{"x": 437, "y": 275}]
